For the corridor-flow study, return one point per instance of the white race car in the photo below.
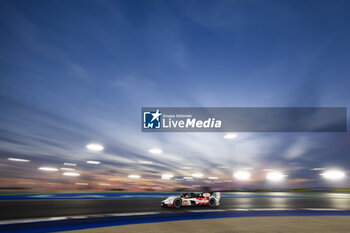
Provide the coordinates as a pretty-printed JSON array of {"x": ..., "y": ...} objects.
[{"x": 193, "y": 199}]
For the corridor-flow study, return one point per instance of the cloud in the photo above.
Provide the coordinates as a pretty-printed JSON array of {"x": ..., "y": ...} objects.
[{"x": 77, "y": 71}]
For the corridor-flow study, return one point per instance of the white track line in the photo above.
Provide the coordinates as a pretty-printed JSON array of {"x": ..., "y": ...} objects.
[
  {"x": 270, "y": 209},
  {"x": 201, "y": 211},
  {"x": 322, "y": 209},
  {"x": 238, "y": 209},
  {"x": 32, "y": 220},
  {"x": 49, "y": 219},
  {"x": 133, "y": 214}
]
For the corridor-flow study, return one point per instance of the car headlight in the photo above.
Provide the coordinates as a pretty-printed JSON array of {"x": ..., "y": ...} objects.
[{"x": 168, "y": 200}]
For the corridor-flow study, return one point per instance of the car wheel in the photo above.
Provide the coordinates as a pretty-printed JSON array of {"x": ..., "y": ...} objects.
[
  {"x": 177, "y": 203},
  {"x": 212, "y": 202}
]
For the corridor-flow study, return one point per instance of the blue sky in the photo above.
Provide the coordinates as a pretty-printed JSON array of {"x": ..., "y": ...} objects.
[{"x": 72, "y": 72}]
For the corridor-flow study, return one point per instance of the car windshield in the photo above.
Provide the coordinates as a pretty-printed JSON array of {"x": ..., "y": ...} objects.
[{"x": 189, "y": 195}]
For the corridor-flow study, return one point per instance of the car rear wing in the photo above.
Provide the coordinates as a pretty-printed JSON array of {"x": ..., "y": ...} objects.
[{"x": 217, "y": 195}]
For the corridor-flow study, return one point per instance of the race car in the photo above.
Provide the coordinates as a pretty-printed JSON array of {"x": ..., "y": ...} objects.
[{"x": 193, "y": 199}]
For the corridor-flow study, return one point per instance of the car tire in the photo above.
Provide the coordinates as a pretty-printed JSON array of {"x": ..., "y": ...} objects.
[
  {"x": 177, "y": 203},
  {"x": 212, "y": 202}
]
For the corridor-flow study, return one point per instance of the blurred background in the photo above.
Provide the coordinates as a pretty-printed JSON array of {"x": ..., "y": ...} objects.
[{"x": 74, "y": 76}]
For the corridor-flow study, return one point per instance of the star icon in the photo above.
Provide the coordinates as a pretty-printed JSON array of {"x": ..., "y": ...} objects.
[{"x": 156, "y": 115}]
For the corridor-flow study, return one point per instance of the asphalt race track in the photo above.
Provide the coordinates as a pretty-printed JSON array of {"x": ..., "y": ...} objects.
[{"x": 20, "y": 209}]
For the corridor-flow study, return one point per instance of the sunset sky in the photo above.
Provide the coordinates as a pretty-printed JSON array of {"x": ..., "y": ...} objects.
[{"x": 79, "y": 72}]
